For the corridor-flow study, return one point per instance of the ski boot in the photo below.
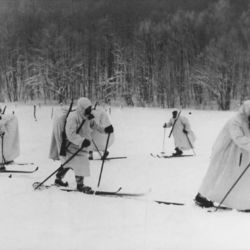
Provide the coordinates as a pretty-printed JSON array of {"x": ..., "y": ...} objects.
[
  {"x": 61, "y": 183},
  {"x": 60, "y": 174},
  {"x": 202, "y": 201},
  {"x": 85, "y": 189},
  {"x": 81, "y": 187},
  {"x": 9, "y": 162},
  {"x": 2, "y": 168},
  {"x": 178, "y": 152}
]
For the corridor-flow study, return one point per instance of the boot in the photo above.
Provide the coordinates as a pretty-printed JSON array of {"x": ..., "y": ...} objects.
[
  {"x": 178, "y": 152},
  {"x": 2, "y": 167},
  {"x": 9, "y": 162},
  {"x": 60, "y": 174},
  {"x": 61, "y": 183},
  {"x": 81, "y": 187},
  {"x": 203, "y": 201}
]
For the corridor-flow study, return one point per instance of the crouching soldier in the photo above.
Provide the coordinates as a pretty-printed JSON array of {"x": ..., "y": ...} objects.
[{"x": 79, "y": 125}]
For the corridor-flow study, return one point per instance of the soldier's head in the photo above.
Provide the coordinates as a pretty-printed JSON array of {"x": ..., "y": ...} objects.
[
  {"x": 84, "y": 107},
  {"x": 245, "y": 108},
  {"x": 174, "y": 113}
]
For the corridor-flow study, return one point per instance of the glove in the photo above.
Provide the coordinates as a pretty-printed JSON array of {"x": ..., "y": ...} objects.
[
  {"x": 164, "y": 125},
  {"x": 184, "y": 131},
  {"x": 90, "y": 116},
  {"x": 109, "y": 129},
  {"x": 85, "y": 143}
]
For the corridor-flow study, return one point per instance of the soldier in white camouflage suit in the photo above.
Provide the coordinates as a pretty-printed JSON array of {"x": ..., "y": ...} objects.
[
  {"x": 83, "y": 119},
  {"x": 183, "y": 135}
]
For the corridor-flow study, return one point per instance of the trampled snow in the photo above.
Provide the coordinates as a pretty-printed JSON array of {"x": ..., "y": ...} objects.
[{"x": 56, "y": 220}]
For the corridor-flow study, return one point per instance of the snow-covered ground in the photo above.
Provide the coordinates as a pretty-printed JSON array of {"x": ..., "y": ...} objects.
[{"x": 56, "y": 220}]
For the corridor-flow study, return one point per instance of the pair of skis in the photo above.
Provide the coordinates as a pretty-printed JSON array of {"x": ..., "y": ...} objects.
[
  {"x": 116, "y": 193},
  {"x": 6, "y": 168}
]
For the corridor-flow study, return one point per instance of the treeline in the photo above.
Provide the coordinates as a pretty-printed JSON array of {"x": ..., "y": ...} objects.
[{"x": 144, "y": 52}]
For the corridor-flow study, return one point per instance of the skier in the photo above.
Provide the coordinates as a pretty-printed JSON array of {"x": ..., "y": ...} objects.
[
  {"x": 56, "y": 138},
  {"x": 230, "y": 156},
  {"x": 9, "y": 134},
  {"x": 83, "y": 119},
  {"x": 183, "y": 135},
  {"x": 98, "y": 139}
]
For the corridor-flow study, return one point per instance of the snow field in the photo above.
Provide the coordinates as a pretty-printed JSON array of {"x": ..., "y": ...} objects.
[{"x": 53, "y": 220}]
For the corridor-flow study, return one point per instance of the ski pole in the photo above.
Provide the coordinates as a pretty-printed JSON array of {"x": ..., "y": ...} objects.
[
  {"x": 174, "y": 124},
  {"x": 163, "y": 143},
  {"x": 34, "y": 113},
  {"x": 4, "y": 109},
  {"x": 62, "y": 165},
  {"x": 190, "y": 144},
  {"x": 235, "y": 183},
  {"x": 103, "y": 160},
  {"x": 3, "y": 159},
  {"x": 63, "y": 133},
  {"x": 97, "y": 148}
]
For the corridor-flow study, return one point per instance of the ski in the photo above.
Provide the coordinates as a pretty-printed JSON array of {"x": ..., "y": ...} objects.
[
  {"x": 116, "y": 193},
  {"x": 156, "y": 155},
  {"x": 214, "y": 209},
  {"x": 169, "y": 156},
  {"x": 11, "y": 163},
  {"x": 93, "y": 192},
  {"x": 107, "y": 193},
  {"x": 173, "y": 156},
  {"x": 22, "y": 164},
  {"x": 209, "y": 210},
  {"x": 222, "y": 208},
  {"x": 153, "y": 155},
  {"x": 19, "y": 171},
  {"x": 67, "y": 189},
  {"x": 169, "y": 203},
  {"x": 112, "y": 158}
]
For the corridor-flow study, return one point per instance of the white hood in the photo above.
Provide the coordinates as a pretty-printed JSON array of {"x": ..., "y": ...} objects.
[{"x": 82, "y": 104}]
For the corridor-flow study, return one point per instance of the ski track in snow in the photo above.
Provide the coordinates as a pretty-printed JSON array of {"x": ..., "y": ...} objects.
[{"x": 53, "y": 220}]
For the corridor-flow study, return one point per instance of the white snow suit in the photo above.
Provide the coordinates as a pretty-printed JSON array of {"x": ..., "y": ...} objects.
[
  {"x": 100, "y": 139},
  {"x": 80, "y": 163},
  {"x": 230, "y": 156},
  {"x": 11, "y": 143},
  {"x": 180, "y": 138},
  {"x": 56, "y": 138}
]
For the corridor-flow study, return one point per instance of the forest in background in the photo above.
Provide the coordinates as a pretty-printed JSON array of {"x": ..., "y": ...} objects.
[{"x": 162, "y": 53}]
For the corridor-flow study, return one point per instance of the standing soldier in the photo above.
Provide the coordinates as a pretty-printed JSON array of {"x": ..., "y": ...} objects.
[{"x": 183, "y": 135}]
